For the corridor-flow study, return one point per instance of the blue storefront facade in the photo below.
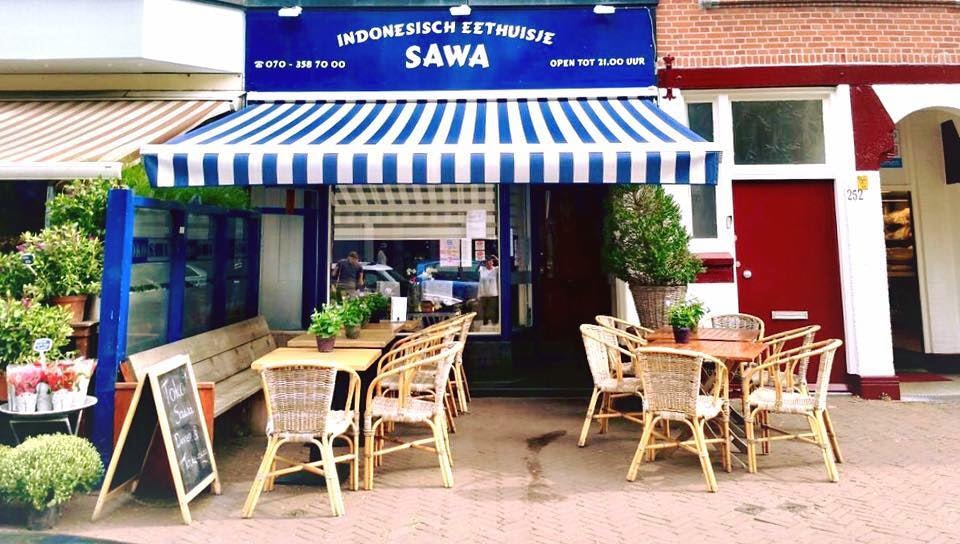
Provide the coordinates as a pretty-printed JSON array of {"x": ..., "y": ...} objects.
[{"x": 427, "y": 139}]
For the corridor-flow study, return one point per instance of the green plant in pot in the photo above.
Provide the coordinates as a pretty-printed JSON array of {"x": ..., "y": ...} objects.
[
  {"x": 325, "y": 324},
  {"x": 684, "y": 316},
  {"x": 353, "y": 314},
  {"x": 647, "y": 246},
  {"x": 67, "y": 266},
  {"x": 44, "y": 472},
  {"x": 378, "y": 304}
]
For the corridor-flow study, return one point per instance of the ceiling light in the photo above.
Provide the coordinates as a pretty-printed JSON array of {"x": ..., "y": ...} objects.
[
  {"x": 293, "y": 11},
  {"x": 462, "y": 10},
  {"x": 603, "y": 9}
]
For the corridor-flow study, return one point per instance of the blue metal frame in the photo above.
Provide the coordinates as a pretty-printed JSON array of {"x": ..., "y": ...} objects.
[
  {"x": 115, "y": 290},
  {"x": 323, "y": 245},
  {"x": 178, "y": 272},
  {"x": 114, "y": 304}
]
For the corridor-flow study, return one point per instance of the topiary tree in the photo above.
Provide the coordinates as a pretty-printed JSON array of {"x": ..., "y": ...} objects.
[
  {"x": 45, "y": 471},
  {"x": 647, "y": 246}
]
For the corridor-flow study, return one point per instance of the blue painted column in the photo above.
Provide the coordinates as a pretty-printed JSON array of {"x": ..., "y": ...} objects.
[
  {"x": 506, "y": 264},
  {"x": 114, "y": 304},
  {"x": 178, "y": 272}
]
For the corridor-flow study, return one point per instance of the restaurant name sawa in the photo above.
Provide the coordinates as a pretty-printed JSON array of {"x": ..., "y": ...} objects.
[{"x": 472, "y": 55}]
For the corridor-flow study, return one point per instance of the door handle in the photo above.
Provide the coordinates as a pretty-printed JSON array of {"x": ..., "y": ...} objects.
[{"x": 747, "y": 274}]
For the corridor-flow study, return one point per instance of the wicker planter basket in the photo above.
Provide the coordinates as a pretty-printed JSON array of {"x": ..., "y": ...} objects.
[{"x": 652, "y": 302}]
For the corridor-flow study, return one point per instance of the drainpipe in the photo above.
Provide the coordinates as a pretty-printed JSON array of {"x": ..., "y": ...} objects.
[{"x": 711, "y": 4}]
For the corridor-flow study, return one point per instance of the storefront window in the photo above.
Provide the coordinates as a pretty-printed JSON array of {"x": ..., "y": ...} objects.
[
  {"x": 238, "y": 268},
  {"x": 198, "y": 278},
  {"x": 149, "y": 280},
  {"x": 778, "y": 132},
  {"x": 703, "y": 197},
  {"x": 700, "y": 119},
  {"x": 428, "y": 244},
  {"x": 22, "y": 208}
]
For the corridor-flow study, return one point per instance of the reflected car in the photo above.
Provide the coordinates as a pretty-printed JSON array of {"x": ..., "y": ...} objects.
[{"x": 466, "y": 281}]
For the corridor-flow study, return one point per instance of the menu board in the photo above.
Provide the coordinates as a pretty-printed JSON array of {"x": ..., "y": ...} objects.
[
  {"x": 184, "y": 417},
  {"x": 167, "y": 399}
]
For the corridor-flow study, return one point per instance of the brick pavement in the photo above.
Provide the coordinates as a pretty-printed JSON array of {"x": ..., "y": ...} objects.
[{"x": 521, "y": 478}]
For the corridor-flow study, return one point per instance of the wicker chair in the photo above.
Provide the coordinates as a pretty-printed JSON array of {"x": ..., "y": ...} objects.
[
  {"x": 782, "y": 395},
  {"x": 299, "y": 399},
  {"x": 628, "y": 343},
  {"x": 774, "y": 344},
  {"x": 459, "y": 384},
  {"x": 672, "y": 392},
  {"x": 738, "y": 321},
  {"x": 450, "y": 330},
  {"x": 405, "y": 407},
  {"x": 606, "y": 359}
]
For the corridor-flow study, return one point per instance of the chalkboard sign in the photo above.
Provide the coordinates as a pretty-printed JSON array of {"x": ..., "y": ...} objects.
[
  {"x": 185, "y": 424},
  {"x": 167, "y": 399}
]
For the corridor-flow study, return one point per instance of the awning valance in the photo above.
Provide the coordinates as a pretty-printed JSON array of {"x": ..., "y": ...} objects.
[
  {"x": 575, "y": 140},
  {"x": 62, "y": 139}
]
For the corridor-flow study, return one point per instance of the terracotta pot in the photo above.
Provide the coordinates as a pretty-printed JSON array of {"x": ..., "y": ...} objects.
[
  {"x": 681, "y": 335},
  {"x": 652, "y": 302},
  {"x": 76, "y": 304},
  {"x": 353, "y": 332},
  {"x": 326, "y": 344}
]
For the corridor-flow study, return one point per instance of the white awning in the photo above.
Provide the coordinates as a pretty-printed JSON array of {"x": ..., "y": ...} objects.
[{"x": 65, "y": 139}]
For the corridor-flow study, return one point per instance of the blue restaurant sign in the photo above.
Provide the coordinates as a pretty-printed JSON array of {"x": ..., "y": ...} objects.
[{"x": 429, "y": 49}]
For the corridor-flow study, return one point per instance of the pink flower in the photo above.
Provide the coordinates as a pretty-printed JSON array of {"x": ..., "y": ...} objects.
[
  {"x": 26, "y": 303},
  {"x": 21, "y": 248}
]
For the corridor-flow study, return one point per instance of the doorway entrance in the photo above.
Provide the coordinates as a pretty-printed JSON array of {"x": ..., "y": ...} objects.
[
  {"x": 788, "y": 265},
  {"x": 568, "y": 287}
]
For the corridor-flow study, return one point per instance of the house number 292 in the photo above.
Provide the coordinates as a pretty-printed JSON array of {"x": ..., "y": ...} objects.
[{"x": 854, "y": 194}]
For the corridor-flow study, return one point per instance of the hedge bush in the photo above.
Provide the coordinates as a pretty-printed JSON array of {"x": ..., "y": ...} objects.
[{"x": 45, "y": 471}]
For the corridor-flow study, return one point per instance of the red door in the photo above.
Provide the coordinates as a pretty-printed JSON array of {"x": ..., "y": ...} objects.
[{"x": 788, "y": 261}]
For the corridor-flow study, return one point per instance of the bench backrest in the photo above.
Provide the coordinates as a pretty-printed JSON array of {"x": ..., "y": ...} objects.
[{"x": 216, "y": 354}]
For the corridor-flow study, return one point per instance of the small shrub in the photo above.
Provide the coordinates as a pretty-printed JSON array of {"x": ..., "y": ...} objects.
[
  {"x": 66, "y": 262},
  {"x": 83, "y": 203},
  {"x": 645, "y": 242},
  {"x": 14, "y": 276},
  {"x": 46, "y": 471},
  {"x": 22, "y": 322}
]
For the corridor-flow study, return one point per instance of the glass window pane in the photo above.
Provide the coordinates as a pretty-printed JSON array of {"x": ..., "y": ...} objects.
[
  {"x": 421, "y": 235},
  {"x": 198, "y": 278},
  {"x": 778, "y": 132},
  {"x": 149, "y": 280},
  {"x": 700, "y": 119},
  {"x": 704, "y": 203},
  {"x": 238, "y": 268},
  {"x": 21, "y": 207}
]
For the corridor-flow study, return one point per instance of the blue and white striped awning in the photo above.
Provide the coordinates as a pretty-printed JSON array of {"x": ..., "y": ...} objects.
[{"x": 576, "y": 140}]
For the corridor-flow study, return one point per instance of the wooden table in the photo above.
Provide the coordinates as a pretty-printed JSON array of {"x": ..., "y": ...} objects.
[
  {"x": 729, "y": 351},
  {"x": 358, "y": 360},
  {"x": 708, "y": 333},
  {"x": 371, "y": 337}
]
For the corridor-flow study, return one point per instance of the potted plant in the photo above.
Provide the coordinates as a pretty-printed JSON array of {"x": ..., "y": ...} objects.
[
  {"x": 378, "y": 305},
  {"x": 44, "y": 472},
  {"x": 325, "y": 325},
  {"x": 353, "y": 314},
  {"x": 67, "y": 266},
  {"x": 22, "y": 322},
  {"x": 647, "y": 246},
  {"x": 684, "y": 316}
]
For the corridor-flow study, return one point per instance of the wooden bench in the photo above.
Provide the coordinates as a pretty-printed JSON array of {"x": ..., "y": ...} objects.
[{"x": 222, "y": 356}]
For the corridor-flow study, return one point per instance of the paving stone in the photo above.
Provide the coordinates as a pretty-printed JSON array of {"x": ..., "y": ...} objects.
[{"x": 520, "y": 477}]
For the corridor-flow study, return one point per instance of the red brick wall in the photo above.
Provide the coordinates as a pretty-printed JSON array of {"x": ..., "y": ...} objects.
[{"x": 751, "y": 36}]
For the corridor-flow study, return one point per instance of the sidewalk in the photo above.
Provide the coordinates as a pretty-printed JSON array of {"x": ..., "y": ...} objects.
[{"x": 521, "y": 478}]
